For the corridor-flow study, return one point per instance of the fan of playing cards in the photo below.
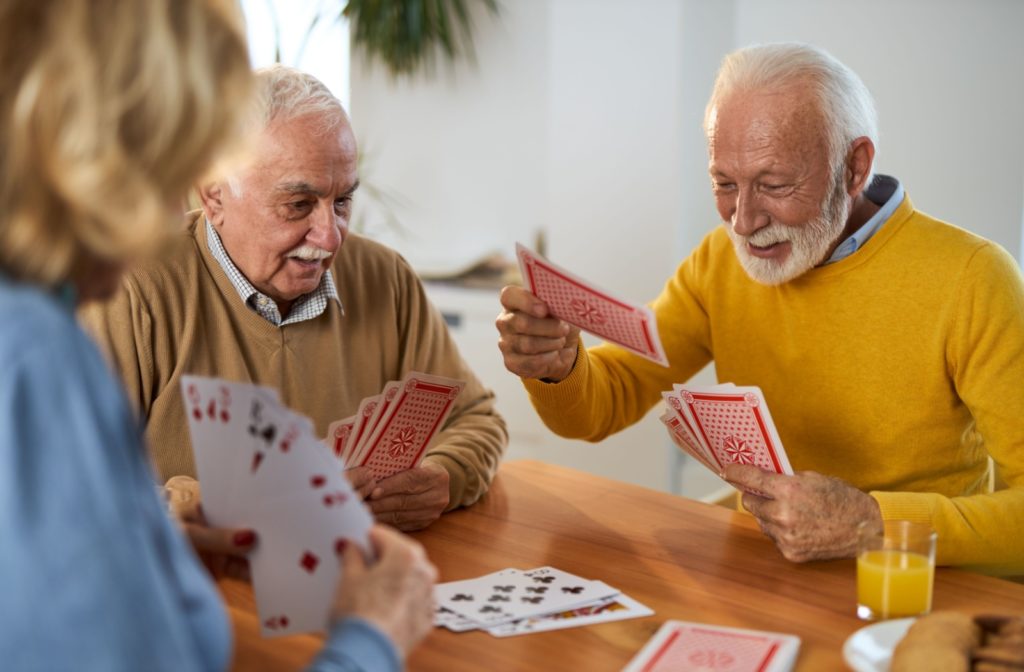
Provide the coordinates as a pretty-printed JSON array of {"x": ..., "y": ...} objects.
[
  {"x": 582, "y": 304},
  {"x": 391, "y": 431},
  {"x": 262, "y": 467},
  {"x": 679, "y": 646},
  {"x": 516, "y": 602},
  {"x": 724, "y": 424}
]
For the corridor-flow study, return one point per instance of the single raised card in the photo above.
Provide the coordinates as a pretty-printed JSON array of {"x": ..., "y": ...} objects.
[{"x": 580, "y": 303}]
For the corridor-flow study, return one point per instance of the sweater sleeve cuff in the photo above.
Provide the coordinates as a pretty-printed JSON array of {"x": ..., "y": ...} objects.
[
  {"x": 565, "y": 392},
  {"x": 355, "y": 645},
  {"x": 457, "y": 479},
  {"x": 915, "y": 507}
]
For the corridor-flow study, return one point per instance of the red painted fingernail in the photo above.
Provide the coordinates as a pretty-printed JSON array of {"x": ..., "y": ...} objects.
[{"x": 244, "y": 538}]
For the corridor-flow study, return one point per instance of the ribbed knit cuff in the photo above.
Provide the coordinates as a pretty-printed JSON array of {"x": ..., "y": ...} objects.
[
  {"x": 567, "y": 392},
  {"x": 912, "y": 506}
]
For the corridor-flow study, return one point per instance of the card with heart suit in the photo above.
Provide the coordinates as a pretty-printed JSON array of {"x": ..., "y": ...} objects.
[
  {"x": 679, "y": 646},
  {"x": 582, "y": 304},
  {"x": 218, "y": 413},
  {"x": 736, "y": 427},
  {"x": 512, "y": 595},
  {"x": 401, "y": 437},
  {"x": 262, "y": 467}
]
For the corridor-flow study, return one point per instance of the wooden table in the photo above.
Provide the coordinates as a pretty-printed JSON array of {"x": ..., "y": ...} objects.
[{"x": 684, "y": 559}]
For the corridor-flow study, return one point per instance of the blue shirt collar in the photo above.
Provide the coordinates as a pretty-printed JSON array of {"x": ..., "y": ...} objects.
[{"x": 885, "y": 191}]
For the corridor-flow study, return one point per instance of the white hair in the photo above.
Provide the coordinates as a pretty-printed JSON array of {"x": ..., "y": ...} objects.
[
  {"x": 284, "y": 93},
  {"x": 844, "y": 102}
]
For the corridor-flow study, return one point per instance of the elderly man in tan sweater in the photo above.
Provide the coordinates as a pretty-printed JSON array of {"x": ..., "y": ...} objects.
[{"x": 267, "y": 286}]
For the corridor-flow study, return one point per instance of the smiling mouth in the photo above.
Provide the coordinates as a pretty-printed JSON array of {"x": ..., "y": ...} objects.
[{"x": 768, "y": 251}]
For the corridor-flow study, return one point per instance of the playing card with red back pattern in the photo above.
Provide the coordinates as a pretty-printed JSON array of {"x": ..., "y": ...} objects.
[
  {"x": 387, "y": 397},
  {"x": 338, "y": 435},
  {"x": 580, "y": 303},
  {"x": 413, "y": 419},
  {"x": 682, "y": 437},
  {"x": 736, "y": 426},
  {"x": 366, "y": 408},
  {"x": 679, "y": 646}
]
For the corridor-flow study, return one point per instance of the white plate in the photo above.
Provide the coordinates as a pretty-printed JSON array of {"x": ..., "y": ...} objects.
[{"x": 870, "y": 648}]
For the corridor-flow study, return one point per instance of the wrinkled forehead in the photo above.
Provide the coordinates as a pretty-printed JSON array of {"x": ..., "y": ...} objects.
[
  {"x": 786, "y": 121},
  {"x": 305, "y": 150}
]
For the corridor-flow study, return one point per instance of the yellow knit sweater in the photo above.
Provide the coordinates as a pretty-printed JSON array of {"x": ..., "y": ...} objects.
[
  {"x": 899, "y": 369},
  {"x": 181, "y": 315}
]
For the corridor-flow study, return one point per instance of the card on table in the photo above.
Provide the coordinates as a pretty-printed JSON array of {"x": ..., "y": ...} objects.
[
  {"x": 512, "y": 595},
  {"x": 614, "y": 608},
  {"x": 582, "y": 304},
  {"x": 679, "y": 646}
]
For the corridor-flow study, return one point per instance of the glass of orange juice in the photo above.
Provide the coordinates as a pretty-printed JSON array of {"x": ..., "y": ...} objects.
[{"x": 895, "y": 569}]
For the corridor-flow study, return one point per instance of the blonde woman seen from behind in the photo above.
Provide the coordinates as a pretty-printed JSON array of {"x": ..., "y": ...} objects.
[{"x": 109, "y": 110}]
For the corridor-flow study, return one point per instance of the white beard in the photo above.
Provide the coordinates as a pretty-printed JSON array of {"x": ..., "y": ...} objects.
[{"x": 808, "y": 243}]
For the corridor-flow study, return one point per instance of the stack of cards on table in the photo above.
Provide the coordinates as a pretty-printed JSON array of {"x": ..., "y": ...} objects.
[
  {"x": 391, "y": 431},
  {"x": 724, "y": 424},
  {"x": 518, "y": 602},
  {"x": 679, "y": 646},
  {"x": 582, "y": 304},
  {"x": 262, "y": 467}
]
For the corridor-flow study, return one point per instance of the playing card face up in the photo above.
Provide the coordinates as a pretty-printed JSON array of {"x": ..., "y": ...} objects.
[
  {"x": 261, "y": 466},
  {"x": 679, "y": 646},
  {"x": 511, "y": 595},
  {"x": 580, "y": 303}
]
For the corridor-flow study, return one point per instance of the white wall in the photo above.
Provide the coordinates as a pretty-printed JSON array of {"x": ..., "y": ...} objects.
[
  {"x": 582, "y": 118},
  {"x": 948, "y": 79}
]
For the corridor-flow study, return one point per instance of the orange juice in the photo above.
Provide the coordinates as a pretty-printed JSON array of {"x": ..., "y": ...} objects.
[{"x": 892, "y": 584}]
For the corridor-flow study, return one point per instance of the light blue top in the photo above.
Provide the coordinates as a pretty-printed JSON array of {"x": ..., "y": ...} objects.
[
  {"x": 884, "y": 191},
  {"x": 93, "y": 576}
]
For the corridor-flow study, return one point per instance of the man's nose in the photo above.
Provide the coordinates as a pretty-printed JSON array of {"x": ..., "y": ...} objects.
[
  {"x": 747, "y": 217},
  {"x": 326, "y": 230}
]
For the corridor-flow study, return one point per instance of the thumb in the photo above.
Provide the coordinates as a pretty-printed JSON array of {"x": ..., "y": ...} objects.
[{"x": 353, "y": 564}]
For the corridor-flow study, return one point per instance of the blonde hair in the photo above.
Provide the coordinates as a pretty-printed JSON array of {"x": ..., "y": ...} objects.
[
  {"x": 843, "y": 100},
  {"x": 109, "y": 109}
]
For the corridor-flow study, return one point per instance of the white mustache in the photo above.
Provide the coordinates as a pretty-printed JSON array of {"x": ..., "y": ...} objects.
[
  {"x": 767, "y": 236},
  {"x": 309, "y": 253}
]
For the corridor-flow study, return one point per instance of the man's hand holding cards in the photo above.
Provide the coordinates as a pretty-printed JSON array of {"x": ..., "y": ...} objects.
[{"x": 383, "y": 445}]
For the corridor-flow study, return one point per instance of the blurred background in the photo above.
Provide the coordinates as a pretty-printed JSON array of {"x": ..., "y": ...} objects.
[{"x": 576, "y": 125}]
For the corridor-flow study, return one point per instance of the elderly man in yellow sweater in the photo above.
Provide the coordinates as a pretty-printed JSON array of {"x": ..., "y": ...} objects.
[
  {"x": 889, "y": 344},
  {"x": 269, "y": 287}
]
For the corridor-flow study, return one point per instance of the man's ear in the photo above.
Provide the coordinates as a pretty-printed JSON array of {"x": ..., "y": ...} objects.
[
  {"x": 211, "y": 196},
  {"x": 858, "y": 165}
]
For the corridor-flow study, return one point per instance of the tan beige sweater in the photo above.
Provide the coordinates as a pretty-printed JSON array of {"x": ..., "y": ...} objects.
[{"x": 181, "y": 315}]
